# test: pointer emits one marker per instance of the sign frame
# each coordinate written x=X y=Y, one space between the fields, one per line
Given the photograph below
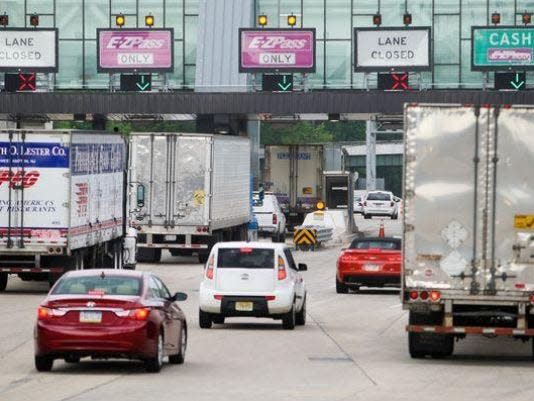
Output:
x=278 y=69
x=393 y=68
x=53 y=69
x=100 y=69
x=497 y=68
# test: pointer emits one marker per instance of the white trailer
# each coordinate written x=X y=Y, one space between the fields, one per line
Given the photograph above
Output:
x=294 y=173
x=62 y=199
x=189 y=191
x=468 y=224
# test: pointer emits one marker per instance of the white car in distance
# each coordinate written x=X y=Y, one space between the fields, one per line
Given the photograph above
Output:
x=271 y=220
x=380 y=203
x=252 y=279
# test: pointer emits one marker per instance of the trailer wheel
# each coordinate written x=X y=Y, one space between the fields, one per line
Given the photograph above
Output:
x=423 y=344
x=3 y=281
x=148 y=255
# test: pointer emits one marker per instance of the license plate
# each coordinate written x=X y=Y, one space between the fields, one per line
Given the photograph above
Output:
x=244 y=306
x=169 y=238
x=371 y=268
x=90 y=317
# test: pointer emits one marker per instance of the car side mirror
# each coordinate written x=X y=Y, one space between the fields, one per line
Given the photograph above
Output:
x=303 y=267
x=140 y=195
x=179 y=296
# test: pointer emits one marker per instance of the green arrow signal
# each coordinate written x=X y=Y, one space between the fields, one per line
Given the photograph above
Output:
x=142 y=85
x=517 y=83
x=285 y=85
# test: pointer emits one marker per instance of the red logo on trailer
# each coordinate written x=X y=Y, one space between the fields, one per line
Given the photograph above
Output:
x=19 y=179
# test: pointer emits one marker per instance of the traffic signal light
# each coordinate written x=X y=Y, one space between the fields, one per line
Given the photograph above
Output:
x=393 y=81
x=377 y=19
x=510 y=81
x=34 y=20
x=496 y=18
x=407 y=19
x=526 y=18
x=120 y=20
x=4 y=19
x=149 y=20
x=277 y=83
x=21 y=82
x=136 y=83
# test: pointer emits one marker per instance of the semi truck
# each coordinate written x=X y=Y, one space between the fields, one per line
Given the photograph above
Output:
x=189 y=191
x=468 y=257
x=61 y=203
x=294 y=173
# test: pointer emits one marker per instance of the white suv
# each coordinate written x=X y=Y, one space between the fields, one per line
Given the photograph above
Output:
x=271 y=220
x=255 y=279
x=380 y=203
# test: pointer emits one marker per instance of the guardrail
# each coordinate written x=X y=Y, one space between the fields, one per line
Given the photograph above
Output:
x=309 y=238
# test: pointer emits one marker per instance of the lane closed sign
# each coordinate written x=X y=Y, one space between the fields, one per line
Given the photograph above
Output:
x=380 y=49
x=28 y=49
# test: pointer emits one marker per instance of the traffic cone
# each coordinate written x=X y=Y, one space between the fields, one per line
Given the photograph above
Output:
x=381 y=232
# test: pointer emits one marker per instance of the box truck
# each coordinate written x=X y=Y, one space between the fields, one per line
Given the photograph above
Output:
x=188 y=191
x=468 y=257
x=294 y=173
x=62 y=203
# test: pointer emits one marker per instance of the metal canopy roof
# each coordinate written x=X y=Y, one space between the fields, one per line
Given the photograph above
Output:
x=241 y=103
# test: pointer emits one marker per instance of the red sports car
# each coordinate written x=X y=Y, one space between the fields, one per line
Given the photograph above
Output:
x=110 y=313
x=372 y=262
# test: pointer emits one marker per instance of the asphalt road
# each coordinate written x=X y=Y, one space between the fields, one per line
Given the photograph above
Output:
x=353 y=348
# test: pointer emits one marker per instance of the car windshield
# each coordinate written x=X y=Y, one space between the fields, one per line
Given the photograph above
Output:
x=376 y=244
x=98 y=285
x=380 y=196
x=245 y=258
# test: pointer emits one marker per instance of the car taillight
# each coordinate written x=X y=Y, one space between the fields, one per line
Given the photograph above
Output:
x=282 y=274
x=414 y=295
x=423 y=295
x=275 y=219
x=140 y=314
x=218 y=297
x=209 y=268
x=49 y=313
x=270 y=297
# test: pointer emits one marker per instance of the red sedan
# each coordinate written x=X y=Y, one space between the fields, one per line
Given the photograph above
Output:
x=110 y=314
x=372 y=262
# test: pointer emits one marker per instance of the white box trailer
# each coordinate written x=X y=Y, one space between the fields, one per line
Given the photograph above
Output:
x=62 y=199
x=294 y=173
x=189 y=191
x=468 y=224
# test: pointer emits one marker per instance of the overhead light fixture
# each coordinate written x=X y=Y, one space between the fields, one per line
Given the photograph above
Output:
x=407 y=19
x=34 y=20
x=495 y=18
x=377 y=19
x=149 y=20
x=292 y=20
x=526 y=18
x=262 y=20
x=120 y=20
x=4 y=20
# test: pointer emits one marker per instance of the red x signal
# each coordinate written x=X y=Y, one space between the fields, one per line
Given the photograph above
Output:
x=400 y=81
x=27 y=82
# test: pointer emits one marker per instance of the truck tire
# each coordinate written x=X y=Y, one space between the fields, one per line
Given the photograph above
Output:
x=423 y=344
x=3 y=281
x=148 y=255
x=367 y=216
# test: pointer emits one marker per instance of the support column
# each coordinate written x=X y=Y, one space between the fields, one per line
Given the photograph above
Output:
x=370 y=160
x=253 y=132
